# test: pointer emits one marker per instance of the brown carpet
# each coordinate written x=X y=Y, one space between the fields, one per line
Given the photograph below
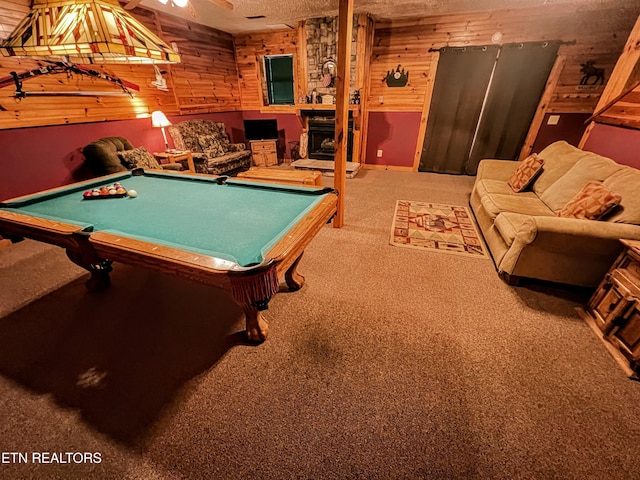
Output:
x=379 y=368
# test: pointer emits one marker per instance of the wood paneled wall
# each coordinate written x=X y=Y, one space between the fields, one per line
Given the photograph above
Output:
x=205 y=81
x=219 y=73
x=597 y=35
x=250 y=50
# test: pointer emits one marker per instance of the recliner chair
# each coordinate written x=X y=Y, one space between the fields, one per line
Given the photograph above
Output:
x=106 y=155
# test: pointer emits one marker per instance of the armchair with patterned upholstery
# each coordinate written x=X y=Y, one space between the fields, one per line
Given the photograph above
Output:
x=116 y=154
x=210 y=147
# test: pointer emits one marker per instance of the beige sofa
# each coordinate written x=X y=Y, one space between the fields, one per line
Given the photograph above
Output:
x=527 y=239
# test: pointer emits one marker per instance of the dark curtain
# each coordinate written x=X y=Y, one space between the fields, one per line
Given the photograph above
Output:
x=458 y=94
x=518 y=82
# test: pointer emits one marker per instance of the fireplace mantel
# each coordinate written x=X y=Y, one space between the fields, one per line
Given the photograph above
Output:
x=305 y=110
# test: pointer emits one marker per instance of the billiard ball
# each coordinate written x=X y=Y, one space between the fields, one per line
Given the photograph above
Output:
x=132 y=193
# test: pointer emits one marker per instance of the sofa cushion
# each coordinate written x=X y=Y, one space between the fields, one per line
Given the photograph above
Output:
x=558 y=158
x=138 y=158
x=229 y=162
x=526 y=172
x=626 y=182
x=496 y=169
x=211 y=145
x=501 y=187
x=591 y=203
x=495 y=204
x=227 y=157
x=593 y=167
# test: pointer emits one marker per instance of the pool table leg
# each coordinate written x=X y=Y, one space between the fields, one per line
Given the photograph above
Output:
x=257 y=326
x=98 y=268
x=294 y=280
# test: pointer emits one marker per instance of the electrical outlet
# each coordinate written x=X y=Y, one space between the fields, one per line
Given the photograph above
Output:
x=553 y=119
x=379 y=154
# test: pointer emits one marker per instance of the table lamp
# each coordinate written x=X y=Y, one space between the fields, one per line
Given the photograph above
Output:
x=159 y=119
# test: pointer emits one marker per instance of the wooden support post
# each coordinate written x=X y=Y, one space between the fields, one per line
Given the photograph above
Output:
x=625 y=70
x=345 y=26
x=171 y=84
x=426 y=107
x=624 y=74
x=538 y=118
x=303 y=68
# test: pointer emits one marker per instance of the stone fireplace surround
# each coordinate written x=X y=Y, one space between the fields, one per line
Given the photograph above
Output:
x=322 y=40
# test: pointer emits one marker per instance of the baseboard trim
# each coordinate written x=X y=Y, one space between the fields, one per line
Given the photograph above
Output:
x=387 y=167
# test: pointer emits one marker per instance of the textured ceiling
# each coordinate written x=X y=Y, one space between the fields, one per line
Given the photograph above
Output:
x=280 y=13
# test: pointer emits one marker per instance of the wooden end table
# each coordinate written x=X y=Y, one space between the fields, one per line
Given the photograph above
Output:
x=613 y=312
x=175 y=156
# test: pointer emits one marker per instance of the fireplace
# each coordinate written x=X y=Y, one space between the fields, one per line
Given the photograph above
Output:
x=321 y=135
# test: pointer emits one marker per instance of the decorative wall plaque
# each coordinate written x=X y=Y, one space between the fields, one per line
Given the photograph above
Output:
x=397 y=78
x=591 y=72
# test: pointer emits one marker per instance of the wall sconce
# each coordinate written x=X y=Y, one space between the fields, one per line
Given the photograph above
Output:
x=160 y=120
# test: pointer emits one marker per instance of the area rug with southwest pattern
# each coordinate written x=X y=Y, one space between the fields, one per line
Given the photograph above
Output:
x=437 y=228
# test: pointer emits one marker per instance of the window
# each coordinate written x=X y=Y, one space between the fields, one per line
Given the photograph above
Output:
x=279 y=76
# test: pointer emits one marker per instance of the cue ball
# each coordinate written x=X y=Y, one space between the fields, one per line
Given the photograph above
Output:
x=132 y=193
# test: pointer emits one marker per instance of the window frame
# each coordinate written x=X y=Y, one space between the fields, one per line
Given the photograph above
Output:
x=271 y=98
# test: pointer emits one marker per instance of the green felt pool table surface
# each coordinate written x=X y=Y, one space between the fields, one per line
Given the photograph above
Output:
x=236 y=221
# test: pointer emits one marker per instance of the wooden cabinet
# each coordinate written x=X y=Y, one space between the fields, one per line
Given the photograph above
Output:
x=264 y=153
x=613 y=311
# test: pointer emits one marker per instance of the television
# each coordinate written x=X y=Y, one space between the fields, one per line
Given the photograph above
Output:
x=263 y=129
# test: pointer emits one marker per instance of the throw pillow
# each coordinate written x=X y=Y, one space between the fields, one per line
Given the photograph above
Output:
x=211 y=145
x=529 y=168
x=593 y=202
x=138 y=158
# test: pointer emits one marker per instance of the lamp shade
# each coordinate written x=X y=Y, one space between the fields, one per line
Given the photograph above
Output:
x=86 y=31
x=159 y=119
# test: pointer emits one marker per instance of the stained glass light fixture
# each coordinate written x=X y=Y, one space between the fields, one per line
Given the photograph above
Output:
x=86 y=31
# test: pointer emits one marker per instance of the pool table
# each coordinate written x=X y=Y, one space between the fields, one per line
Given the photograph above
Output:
x=239 y=235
